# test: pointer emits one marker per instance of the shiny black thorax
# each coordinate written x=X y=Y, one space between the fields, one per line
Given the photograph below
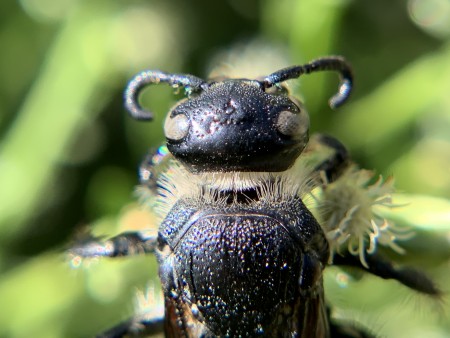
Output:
x=251 y=269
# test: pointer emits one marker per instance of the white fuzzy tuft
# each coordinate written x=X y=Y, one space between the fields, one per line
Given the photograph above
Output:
x=177 y=183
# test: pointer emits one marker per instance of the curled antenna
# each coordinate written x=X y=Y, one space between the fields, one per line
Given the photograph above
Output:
x=331 y=63
x=189 y=82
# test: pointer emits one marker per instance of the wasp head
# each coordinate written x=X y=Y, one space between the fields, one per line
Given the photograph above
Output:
x=237 y=124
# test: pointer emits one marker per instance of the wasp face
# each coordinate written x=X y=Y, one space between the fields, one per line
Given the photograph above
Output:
x=236 y=125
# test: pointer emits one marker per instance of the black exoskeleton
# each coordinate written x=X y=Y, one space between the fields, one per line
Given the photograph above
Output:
x=240 y=254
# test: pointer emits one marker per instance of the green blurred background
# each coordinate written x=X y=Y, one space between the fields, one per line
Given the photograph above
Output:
x=69 y=154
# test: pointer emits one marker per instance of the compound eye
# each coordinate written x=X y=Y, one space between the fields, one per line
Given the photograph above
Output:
x=293 y=124
x=177 y=127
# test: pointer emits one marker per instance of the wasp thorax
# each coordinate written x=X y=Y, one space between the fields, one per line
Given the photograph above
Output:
x=236 y=126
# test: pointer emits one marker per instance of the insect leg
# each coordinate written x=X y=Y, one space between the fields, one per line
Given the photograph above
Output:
x=129 y=243
x=334 y=165
x=381 y=267
x=138 y=327
x=124 y=244
x=347 y=331
x=151 y=167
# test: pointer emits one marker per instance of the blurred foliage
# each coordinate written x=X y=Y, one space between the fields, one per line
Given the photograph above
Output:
x=68 y=150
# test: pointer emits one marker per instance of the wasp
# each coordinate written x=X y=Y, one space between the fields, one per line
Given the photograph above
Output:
x=240 y=254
